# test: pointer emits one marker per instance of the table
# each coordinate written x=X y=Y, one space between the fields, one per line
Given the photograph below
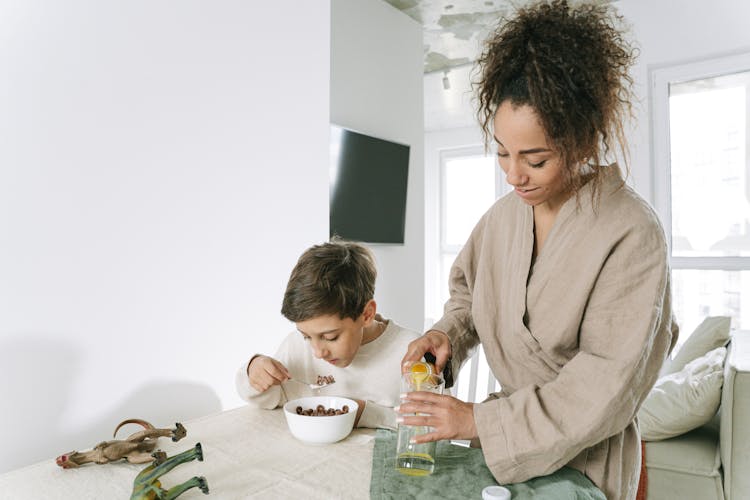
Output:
x=248 y=453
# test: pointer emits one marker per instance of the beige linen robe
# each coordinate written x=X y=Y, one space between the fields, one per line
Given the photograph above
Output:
x=576 y=338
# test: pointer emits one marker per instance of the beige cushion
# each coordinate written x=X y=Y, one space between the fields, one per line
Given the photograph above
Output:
x=685 y=467
x=682 y=401
x=713 y=332
x=695 y=452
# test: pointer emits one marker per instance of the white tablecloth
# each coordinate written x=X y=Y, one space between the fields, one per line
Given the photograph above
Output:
x=248 y=453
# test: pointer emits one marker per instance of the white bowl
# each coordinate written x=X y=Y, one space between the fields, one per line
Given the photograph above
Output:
x=322 y=429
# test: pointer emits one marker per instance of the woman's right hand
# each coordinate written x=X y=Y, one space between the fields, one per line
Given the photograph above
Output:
x=264 y=372
x=433 y=341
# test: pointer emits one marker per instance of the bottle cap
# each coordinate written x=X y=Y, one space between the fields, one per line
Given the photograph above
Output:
x=495 y=493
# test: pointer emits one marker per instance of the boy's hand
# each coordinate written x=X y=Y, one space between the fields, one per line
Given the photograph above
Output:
x=435 y=342
x=264 y=372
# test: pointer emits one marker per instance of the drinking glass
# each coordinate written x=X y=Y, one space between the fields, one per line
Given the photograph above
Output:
x=416 y=459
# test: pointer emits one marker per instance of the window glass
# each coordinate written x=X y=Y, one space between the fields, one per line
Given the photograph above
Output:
x=470 y=185
x=469 y=191
x=699 y=293
x=709 y=166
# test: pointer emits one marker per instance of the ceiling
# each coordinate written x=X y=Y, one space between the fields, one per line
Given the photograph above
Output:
x=454 y=29
x=453 y=34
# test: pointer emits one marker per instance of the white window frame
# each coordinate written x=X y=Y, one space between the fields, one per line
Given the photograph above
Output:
x=477 y=362
x=451 y=154
x=660 y=78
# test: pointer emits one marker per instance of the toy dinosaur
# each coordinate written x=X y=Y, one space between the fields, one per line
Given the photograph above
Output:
x=136 y=449
x=148 y=487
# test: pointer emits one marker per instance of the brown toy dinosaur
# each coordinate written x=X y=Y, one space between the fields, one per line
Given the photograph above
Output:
x=136 y=449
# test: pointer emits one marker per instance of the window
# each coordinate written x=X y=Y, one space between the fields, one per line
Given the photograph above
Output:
x=470 y=182
x=702 y=185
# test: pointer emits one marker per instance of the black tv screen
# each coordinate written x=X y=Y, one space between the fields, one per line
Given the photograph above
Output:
x=368 y=187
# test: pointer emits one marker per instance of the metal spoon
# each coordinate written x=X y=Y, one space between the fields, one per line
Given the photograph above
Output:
x=316 y=386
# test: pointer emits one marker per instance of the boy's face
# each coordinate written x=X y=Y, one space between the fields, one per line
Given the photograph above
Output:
x=334 y=339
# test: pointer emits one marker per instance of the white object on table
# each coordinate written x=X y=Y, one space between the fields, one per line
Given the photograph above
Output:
x=495 y=493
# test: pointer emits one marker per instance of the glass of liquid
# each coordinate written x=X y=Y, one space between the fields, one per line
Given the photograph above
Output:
x=417 y=459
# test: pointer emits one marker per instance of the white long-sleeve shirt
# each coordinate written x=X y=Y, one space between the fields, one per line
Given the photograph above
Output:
x=373 y=375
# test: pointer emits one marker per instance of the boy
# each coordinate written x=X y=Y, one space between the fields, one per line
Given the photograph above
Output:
x=339 y=333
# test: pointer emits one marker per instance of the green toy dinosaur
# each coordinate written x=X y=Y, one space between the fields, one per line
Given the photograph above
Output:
x=148 y=487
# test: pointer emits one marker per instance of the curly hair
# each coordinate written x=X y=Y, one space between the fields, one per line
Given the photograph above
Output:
x=571 y=65
x=337 y=277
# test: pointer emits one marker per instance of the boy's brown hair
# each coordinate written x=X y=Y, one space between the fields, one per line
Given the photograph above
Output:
x=337 y=277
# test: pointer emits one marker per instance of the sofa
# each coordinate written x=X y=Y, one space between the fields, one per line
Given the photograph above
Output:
x=713 y=460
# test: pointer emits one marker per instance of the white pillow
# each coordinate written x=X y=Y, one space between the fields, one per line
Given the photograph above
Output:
x=682 y=401
x=713 y=332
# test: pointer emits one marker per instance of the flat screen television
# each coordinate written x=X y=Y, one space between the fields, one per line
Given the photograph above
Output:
x=368 y=181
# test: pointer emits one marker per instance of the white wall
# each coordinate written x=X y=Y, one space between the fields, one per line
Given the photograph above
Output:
x=376 y=89
x=156 y=159
x=450 y=123
x=453 y=107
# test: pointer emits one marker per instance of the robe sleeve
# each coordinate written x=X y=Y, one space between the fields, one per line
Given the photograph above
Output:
x=625 y=334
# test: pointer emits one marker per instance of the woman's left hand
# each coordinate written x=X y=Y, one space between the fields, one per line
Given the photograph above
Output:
x=449 y=417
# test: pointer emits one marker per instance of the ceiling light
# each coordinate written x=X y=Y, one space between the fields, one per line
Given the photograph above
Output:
x=446 y=82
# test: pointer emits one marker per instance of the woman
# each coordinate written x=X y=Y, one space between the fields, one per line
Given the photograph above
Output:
x=565 y=281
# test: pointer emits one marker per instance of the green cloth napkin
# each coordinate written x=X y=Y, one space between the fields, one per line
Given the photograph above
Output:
x=461 y=473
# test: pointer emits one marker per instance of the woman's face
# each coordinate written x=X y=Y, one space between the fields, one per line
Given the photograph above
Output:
x=530 y=164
